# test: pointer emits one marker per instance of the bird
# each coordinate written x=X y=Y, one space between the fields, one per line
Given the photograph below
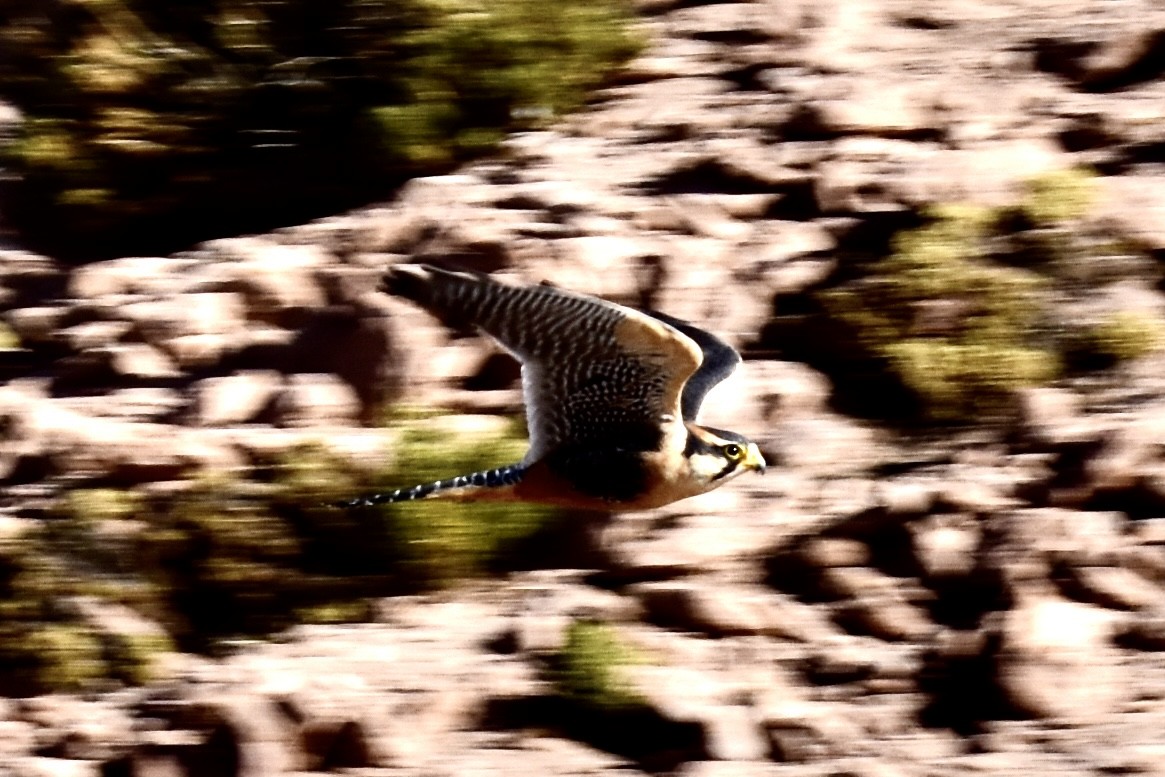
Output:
x=611 y=394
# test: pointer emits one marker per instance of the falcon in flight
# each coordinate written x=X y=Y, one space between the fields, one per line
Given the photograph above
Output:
x=611 y=394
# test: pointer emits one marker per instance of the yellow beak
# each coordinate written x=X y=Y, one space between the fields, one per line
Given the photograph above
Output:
x=753 y=459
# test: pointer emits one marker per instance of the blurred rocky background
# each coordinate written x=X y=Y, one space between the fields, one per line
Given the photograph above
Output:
x=935 y=230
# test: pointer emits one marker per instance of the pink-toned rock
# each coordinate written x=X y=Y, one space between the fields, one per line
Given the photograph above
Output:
x=122 y=276
x=193 y=351
x=200 y=313
x=605 y=265
x=885 y=110
x=369 y=450
x=1135 y=205
x=317 y=399
x=833 y=552
x=37 y=324
x=275 y=278
x=714 y=608
x=709 y=218
x=1056 y=659
x=761 y=393
x=1046 y=412
x=94 y=334
x=1119 y=587
x=946 y=545
x=235 y=399
x=140 y=361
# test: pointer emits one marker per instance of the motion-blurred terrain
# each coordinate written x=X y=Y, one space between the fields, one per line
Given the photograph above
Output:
x=937 y=235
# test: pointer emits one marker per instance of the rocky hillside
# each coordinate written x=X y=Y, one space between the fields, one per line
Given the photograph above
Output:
x=893 y=598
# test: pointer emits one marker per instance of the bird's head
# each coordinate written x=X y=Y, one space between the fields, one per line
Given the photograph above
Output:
x=715 y=455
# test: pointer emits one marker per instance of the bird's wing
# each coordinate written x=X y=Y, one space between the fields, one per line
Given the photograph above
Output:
x=593 y=373
x=719 y=361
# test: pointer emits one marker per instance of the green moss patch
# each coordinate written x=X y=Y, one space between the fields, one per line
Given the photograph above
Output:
x=590 y=669
x=224 y=556
x=978 y=302
x=153 y=125
x=954 y=327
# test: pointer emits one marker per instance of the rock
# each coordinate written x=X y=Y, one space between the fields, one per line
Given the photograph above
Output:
x=733 y=21
x=1118 y=587
x=471 y=242
x=716 y=609
x=858 y=178
x=145 y=763
x=126 y=276
x=369 y=450
x=330 y=737
x=98 y=447
x=979 y=496
x=802 y=731
x=25 y=275
x=142 y=403
x=888 y=616
x=1088 y=537
x=158 y=321
x=36 y=766
x=1124 y=456
x=314 y=400
x=552 y=600
x=276 y=280
x=326 y=345
x=544 y=633
x=605 y=265
x=17 y=737
x=831 y=552
x=141 y=362
x=947 y=545
x=876 y=603
x=393 y=231
x=732 y=733
x=70 y=728
x=235 y=399
x=1056 y=659
x=822 y=443
x=699 y=541
x=907 y=497
x=437 y=191
x=708 y=218
x=693 y=283
x=777 y=243
x=748 y=161
x=38 y=324
x=1127 y=58
x=1146 y=630
x=94 y=334
x=194 y=351
x=887 y=177
x=799 y=275
x=1135 y=206
x=242 y=735
x=1048 y=414
x=782 y=390
x=898 y=110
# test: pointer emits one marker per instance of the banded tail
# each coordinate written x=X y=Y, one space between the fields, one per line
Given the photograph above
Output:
x=489 y=478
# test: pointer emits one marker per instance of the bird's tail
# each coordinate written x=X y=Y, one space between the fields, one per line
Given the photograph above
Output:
x=490 y=478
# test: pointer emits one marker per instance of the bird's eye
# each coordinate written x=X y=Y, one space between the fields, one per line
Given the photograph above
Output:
x=733 y=451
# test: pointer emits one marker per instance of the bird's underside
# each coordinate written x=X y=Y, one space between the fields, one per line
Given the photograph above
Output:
x=611 y=396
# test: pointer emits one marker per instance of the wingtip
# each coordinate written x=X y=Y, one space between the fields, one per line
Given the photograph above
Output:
x=406 y=280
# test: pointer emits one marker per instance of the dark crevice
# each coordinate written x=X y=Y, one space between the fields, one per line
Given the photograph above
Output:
x=636 y=732
x=964 y=690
